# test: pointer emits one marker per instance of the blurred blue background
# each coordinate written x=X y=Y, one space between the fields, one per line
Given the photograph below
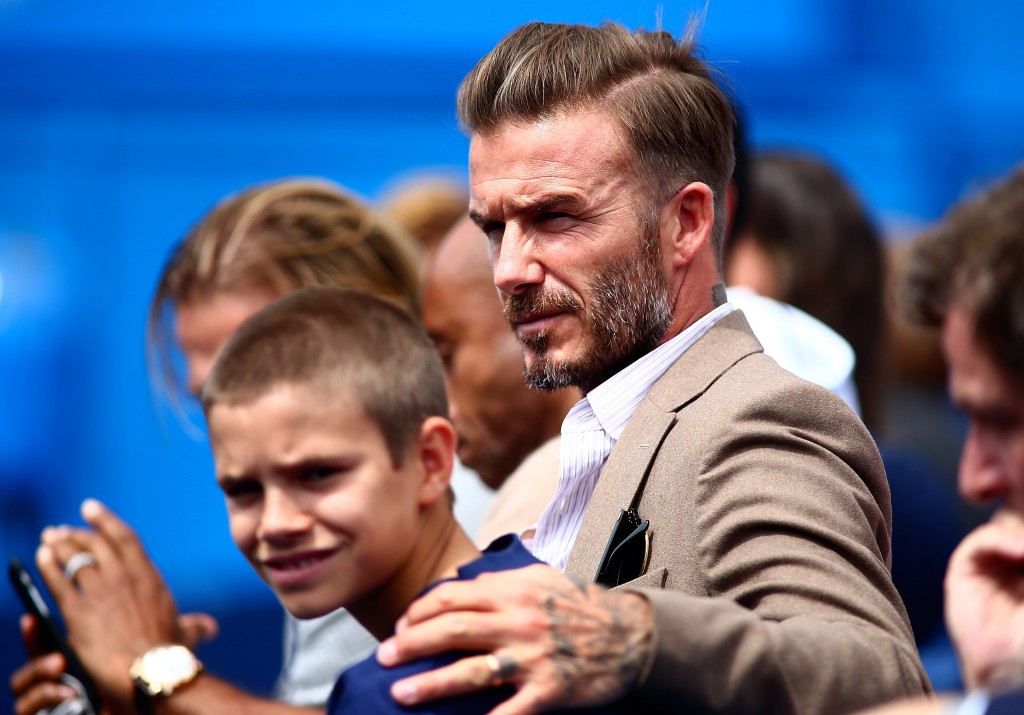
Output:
x=122 y=122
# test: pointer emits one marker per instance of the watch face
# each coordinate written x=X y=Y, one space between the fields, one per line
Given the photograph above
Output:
x=169 y=665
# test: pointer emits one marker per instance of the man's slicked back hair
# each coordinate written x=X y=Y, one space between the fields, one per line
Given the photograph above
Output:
x=675 y=118
x=974 y=258
x=344 y=345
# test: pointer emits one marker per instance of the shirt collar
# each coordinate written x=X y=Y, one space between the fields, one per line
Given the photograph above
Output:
x=610 y=405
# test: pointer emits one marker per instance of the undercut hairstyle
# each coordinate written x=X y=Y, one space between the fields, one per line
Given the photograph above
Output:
x=974 y=258
x=279 y=237
x=674 y=117
x=344 y=345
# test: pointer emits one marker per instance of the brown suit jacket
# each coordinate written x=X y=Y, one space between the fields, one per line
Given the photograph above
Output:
x=770 y=523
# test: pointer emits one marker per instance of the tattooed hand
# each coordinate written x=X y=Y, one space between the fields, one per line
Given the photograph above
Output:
x=559 y=644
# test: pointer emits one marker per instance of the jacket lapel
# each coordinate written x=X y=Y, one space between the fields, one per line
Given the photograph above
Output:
x=620 y=485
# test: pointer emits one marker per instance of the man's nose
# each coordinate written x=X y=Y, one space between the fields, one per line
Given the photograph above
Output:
x=517 y=265
x=982 y=477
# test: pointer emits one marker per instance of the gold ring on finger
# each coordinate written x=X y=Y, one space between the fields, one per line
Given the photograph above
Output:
x=499 y=669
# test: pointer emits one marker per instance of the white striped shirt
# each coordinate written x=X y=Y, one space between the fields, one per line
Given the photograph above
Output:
x=591 y=429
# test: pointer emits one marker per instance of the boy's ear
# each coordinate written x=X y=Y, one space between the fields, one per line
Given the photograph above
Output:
x=436 y=453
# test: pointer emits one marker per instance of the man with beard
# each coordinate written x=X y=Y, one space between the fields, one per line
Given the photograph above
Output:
x=743 y=512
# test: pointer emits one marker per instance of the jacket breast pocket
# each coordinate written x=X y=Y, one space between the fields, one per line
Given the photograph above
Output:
x=655 y=578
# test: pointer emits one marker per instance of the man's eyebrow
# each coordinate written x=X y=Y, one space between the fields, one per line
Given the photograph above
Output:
x=540 y=204
x=548 y=202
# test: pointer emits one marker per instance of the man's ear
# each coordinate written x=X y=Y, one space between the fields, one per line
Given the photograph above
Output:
x=435 y=451
x=687 y=223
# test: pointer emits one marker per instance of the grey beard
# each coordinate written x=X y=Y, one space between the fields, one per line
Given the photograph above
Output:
x=628 y=315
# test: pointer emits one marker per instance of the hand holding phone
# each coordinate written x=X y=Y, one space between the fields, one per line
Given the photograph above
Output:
x=51 y=638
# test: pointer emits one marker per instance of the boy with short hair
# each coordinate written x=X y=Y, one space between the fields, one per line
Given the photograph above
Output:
x=328 y=422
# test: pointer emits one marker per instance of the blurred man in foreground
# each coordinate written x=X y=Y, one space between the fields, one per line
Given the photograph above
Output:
x=967 y=277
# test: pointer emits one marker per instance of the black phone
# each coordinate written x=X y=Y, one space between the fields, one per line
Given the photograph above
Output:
x=87 y=699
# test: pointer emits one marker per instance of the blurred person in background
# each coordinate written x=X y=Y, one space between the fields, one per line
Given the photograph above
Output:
x=426 y=205
x=250 y=249
x=918 y=413
x=798 y=341
x=966 y=276
x=807 y=240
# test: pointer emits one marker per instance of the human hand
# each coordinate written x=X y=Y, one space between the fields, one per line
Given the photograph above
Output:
x=985 y=602
x=117 y=607
x=196 y=628
x=36 y=685
x=559 y=644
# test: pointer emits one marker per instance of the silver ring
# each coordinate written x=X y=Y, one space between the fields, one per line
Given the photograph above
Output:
x=78 y=562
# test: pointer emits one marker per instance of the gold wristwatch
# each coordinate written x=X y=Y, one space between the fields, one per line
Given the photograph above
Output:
x=161 y=671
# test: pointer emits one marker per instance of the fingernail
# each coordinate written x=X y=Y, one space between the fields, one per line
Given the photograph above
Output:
x=50 y=535
x=401 y=624
x=386 y=653
x=90 y=509
x=67 y=693
x=57 y=532
x=404 y=692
